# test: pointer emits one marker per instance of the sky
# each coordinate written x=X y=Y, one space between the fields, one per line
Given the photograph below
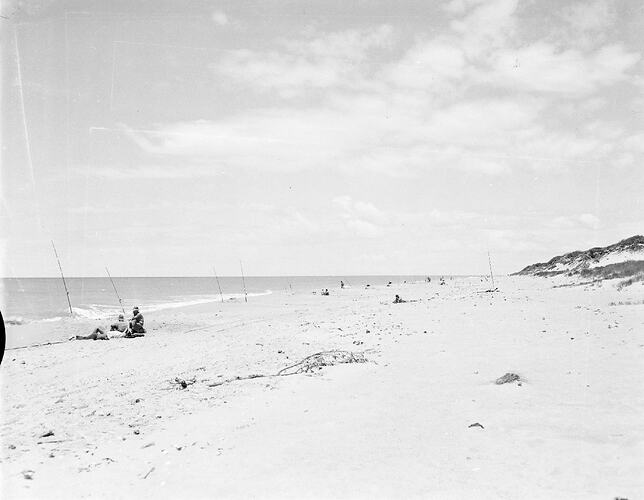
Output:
x=162 y=138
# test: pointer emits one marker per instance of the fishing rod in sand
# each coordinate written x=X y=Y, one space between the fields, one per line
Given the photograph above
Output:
x=71 y=312
x=218 y=285
x=489 y=260
x=243 y=281
x=115 y=291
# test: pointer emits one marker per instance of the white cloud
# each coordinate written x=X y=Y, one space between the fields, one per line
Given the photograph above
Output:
x=541 y=67
x=316 y=60
x=362 y=219
x=588 y=17
x=364 y=229
x=590 y=221
x=460 y=6
x=148 y=171
x=428 y=65
x=635 y=142
x=219 y=17
x=486 y=136
x=486 y=28
x=472 y=98
x=363 y=209
x=487 y=33
x=571 y=222
x=350 y=45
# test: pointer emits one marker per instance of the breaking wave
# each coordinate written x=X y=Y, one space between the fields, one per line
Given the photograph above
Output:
x=100 y=311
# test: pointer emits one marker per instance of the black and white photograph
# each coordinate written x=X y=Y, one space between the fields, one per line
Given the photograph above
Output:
x=322 y=249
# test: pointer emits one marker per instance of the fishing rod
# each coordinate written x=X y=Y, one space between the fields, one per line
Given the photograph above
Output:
x=489 y=260
x=71 y=312
x=115 y=291
x=218 y=285
x=243 y=281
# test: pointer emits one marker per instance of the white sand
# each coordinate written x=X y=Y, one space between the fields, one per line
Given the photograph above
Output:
x=395 y=427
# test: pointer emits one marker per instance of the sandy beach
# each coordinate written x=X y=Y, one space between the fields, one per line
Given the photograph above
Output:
x=397 y=426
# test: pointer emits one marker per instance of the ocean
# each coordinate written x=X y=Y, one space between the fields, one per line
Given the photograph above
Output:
x=25 y=300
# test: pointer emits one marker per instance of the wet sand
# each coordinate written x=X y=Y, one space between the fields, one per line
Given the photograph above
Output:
x=397 y=426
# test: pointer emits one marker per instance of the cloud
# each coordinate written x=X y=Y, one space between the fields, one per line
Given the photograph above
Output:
x=219 y=17
x=460 y=6
x=363 y=209
x=350 y=45
x=541 y=67
x=485 y=28
x=587 y=22
x=279 y=71
x=316 y=60
x=580 y=221
x=428 y=64
x=487 y=34
x=148 y=171
x=590 y=221
x=488 y=136
x=474 y=97
x=361 y=218
x=364 y=229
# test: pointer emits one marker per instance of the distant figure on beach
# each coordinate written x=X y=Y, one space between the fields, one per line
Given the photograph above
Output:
x=429 y=280
x=120 y=325
x=325 y=291
x=341 y=284
x=136 y=324
x=389 y=284
x=97 y=334
x=398 y=300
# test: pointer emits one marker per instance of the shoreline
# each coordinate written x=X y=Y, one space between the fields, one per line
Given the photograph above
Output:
x=33 y=332
x=396 y=425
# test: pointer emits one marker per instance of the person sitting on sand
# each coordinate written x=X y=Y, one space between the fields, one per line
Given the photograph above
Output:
x=398 y=300
x=325 y=291
x=136 y=324
x=97 y=334
x=120 y=325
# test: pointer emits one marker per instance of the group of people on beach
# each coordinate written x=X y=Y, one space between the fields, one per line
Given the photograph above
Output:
x=132 y=328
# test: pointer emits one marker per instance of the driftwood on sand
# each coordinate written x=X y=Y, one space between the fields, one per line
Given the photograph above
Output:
x=320 y=359
x=306 y=365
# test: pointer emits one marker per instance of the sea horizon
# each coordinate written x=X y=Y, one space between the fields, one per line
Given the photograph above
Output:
x=254 y=276
x=28 y=299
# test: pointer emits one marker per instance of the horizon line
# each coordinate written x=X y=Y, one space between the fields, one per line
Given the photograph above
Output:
x=255 y=276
